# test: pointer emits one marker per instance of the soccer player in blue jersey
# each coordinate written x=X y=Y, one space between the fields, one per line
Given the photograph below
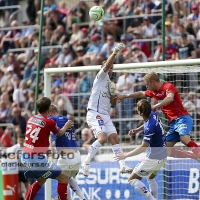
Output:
x=154 y=145
x=69 y=156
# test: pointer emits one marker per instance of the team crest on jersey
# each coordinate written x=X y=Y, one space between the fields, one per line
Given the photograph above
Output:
x=98 y=117
x=182 y=126
x=101 y=122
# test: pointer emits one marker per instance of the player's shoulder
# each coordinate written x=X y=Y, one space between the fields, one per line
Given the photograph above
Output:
x=168 y=84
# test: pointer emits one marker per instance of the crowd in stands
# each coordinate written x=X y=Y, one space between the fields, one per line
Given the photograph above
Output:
x=76 y=42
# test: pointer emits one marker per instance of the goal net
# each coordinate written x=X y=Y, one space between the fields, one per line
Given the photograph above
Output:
x=178 y=179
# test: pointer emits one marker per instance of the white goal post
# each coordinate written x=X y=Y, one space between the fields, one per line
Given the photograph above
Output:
x=177 y=66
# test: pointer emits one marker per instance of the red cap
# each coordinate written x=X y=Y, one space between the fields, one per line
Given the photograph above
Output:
x=95 y=37
x=84 y=30
x=114 y=8
x=194 y=7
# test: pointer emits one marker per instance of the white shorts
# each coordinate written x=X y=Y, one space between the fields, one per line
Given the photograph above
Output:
x=100 y=123
x=70 y=164
x=148 y=166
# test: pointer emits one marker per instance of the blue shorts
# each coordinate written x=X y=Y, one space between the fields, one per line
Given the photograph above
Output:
x=179 y=127
x=39 y=166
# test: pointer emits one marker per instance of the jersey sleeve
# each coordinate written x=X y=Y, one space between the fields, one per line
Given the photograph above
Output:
x=101 y=75
x=148 y=134
x=170 y=89
x=54 y=128
x=148 y=93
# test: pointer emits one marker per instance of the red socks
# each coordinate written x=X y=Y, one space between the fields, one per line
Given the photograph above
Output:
x=32 y=191
x=195 y=148
x=179 y=153
x=62 y=191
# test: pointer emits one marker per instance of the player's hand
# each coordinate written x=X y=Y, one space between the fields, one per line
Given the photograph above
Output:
x=120 y=97
x=120 y=156
x=118 y=48
x=111 y=86
x=68 y=124
x=133 y=132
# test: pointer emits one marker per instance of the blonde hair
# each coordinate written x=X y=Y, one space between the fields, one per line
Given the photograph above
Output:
x=152 y=76
x=53 y=109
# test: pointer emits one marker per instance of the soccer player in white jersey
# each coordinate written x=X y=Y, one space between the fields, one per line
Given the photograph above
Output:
x=98 y=119
x=154 y=144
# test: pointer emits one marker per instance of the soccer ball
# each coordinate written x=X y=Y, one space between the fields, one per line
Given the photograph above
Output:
x=96 y=13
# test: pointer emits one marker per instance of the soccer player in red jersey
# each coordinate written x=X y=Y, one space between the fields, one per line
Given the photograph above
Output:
x=36 y=164
x=181 y=124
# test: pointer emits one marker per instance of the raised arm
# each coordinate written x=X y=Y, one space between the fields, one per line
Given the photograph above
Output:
x=111 y=58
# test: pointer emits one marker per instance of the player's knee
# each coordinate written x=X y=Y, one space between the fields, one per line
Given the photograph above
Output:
x=102 y=138
x=63 y=178
x=132 y=181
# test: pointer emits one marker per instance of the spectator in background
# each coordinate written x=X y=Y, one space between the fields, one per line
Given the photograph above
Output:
x=55 y=82
x=5 y=138
x=125 y=84
x=59 y=36
x=69 y=84
x=77 y=14
x=31 y=67
x=149 y=30
x=168 y=29
x=10 y=82
x=5 y=113
x=142 y=45
x=135 y=23
x=194 y=16
x=185 y=50
x=76 y=35
x=12 y=61
x=5 y=97
x=83 y=85
x=9 y=11
x=8 y=40
x=62 y=101
x=148 y=7
x=87 y=138
x=51 y=59
x=136 y=55
x=29 y=106
x=92 y=52
x=65 y=58
x=18 y=120
x=18 y=95
x=48 y=7
x=170 y=50
x=31 y=11
x=78 y=61
x=22 y=41
x=2 y=80
x=189 y=104
x=107 y=48
x=85 y=39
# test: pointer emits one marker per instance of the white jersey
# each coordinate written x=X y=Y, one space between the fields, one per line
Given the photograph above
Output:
x=100 y=98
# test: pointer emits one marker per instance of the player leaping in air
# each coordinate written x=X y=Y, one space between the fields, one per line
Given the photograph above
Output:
x=154 y=145
x=69 y=156
x=98 y=119
x=36 y=144
x=168 y=99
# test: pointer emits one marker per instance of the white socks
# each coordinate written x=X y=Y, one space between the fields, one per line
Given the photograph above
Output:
x=116 y=150
x=153 y=187
x=74 y=186
x=141 y=188
x=94 y=148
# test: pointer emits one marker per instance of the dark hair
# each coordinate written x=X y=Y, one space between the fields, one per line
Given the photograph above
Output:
x=43 y=104
x=184 y=35
x=144 y=108
x=21 y=136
